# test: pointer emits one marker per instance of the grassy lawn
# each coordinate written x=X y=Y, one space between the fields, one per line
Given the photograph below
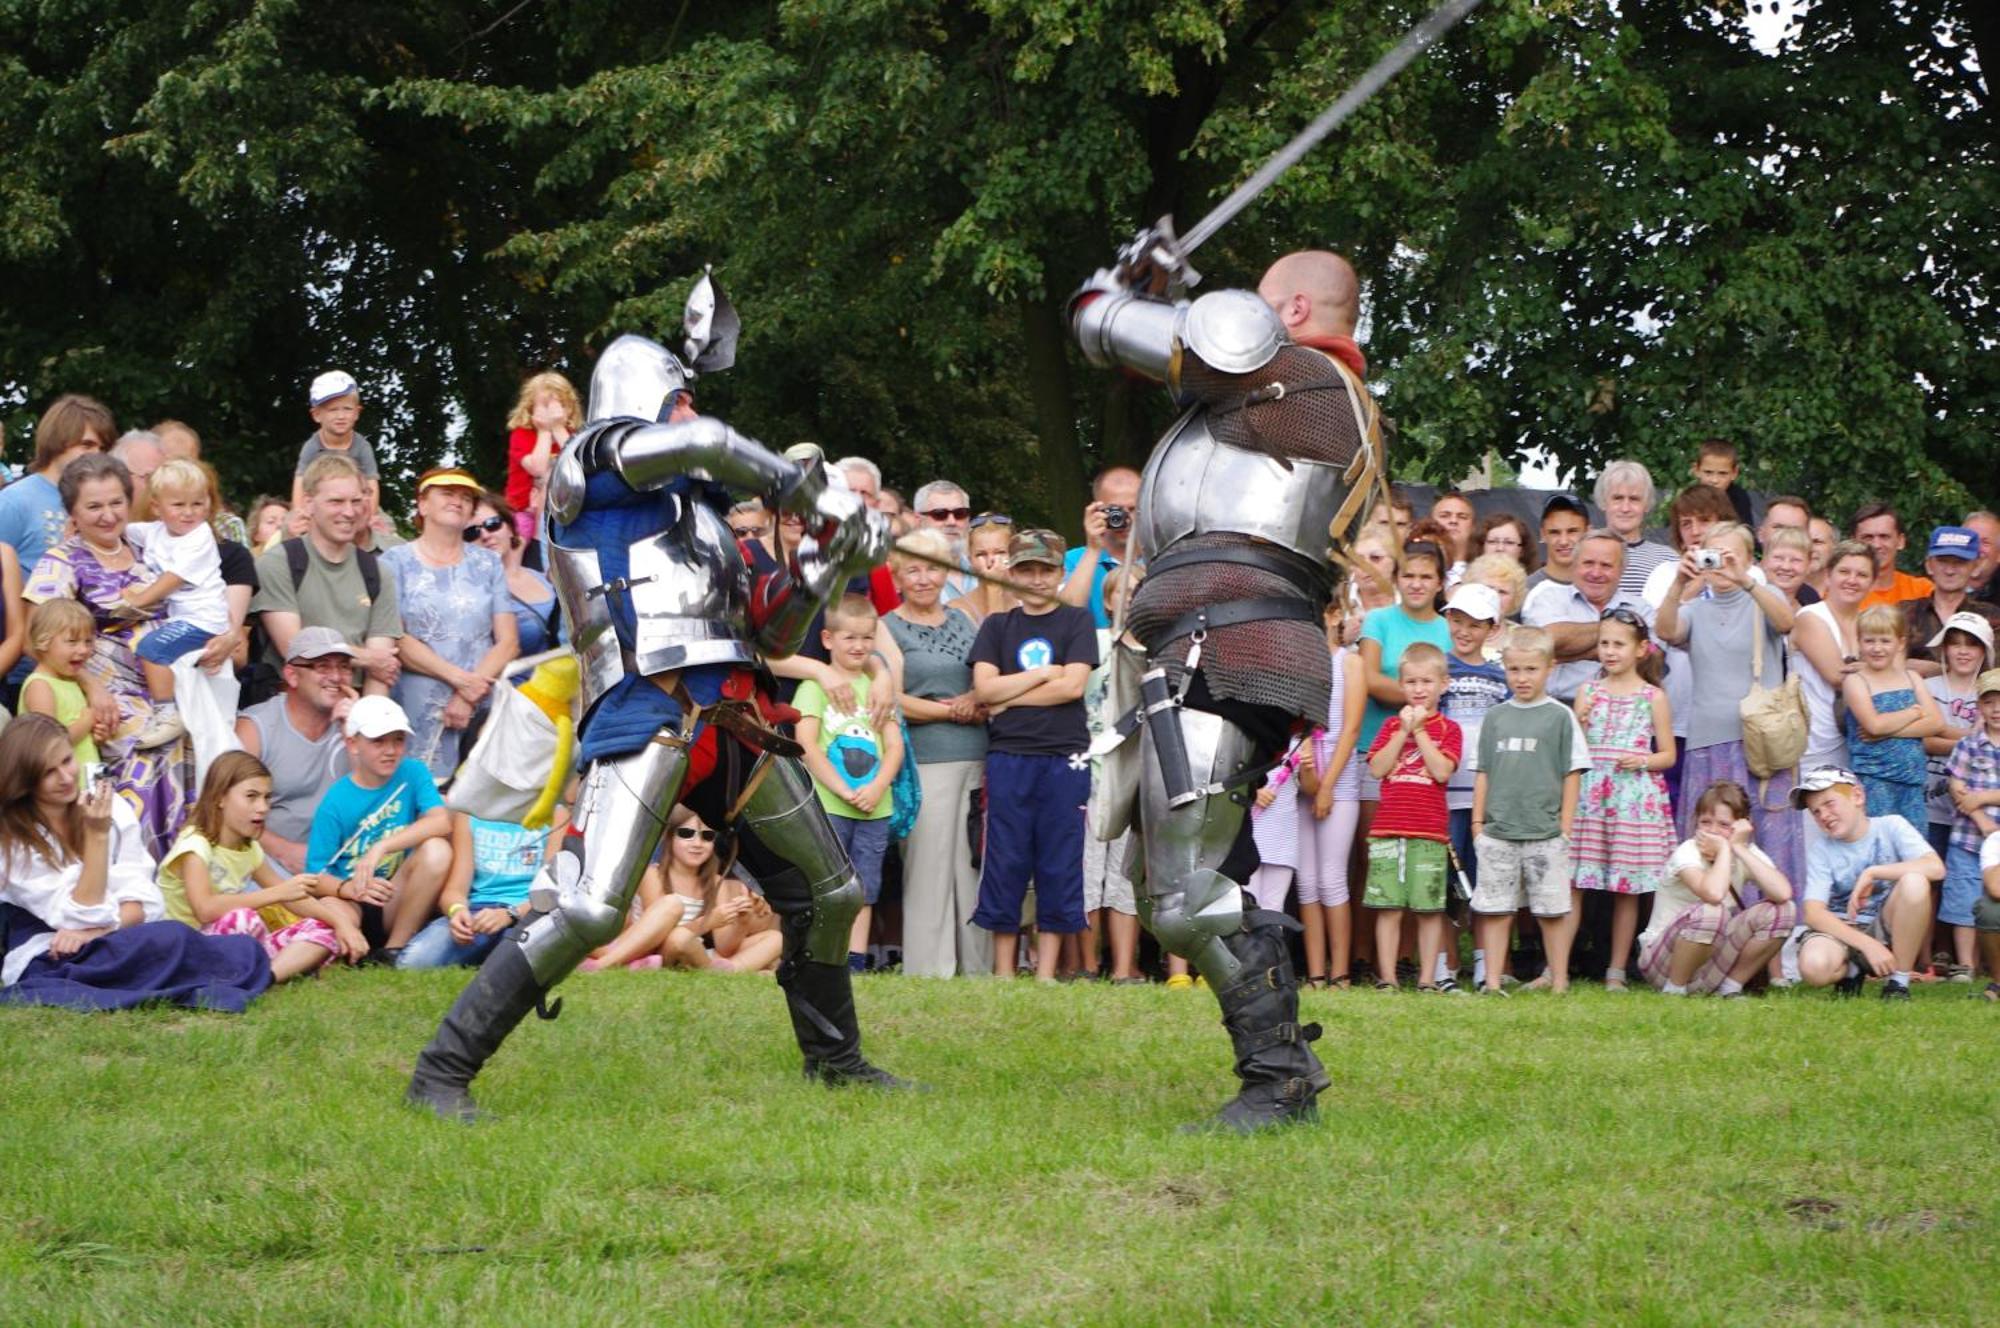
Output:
x=1596 y=1159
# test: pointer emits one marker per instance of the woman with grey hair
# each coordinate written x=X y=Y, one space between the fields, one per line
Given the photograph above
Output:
x=1625 y=494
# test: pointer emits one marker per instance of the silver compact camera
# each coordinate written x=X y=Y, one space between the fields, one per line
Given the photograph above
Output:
x=1708 y=560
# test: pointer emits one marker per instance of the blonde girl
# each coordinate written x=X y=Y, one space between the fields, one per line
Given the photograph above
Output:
x=546 y=413
x=1889 y=714
x=216 y=878
x=62 y=635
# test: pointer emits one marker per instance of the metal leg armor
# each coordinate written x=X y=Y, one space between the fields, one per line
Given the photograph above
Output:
x=1188 y=904
x=783 y=837
x=1197 y=912
x=579 y=902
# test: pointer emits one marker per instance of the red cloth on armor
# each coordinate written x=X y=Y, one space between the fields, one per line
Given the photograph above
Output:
x=1343 y=349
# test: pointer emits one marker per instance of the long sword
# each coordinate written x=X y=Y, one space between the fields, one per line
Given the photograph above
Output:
x=1159 y=247
x=952 y=565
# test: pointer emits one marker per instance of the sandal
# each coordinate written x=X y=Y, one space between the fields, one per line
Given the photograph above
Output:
x=1990 y=993
x=1383 y=984
x=1316 y=983
x=1542 y=983
x=1345 y=982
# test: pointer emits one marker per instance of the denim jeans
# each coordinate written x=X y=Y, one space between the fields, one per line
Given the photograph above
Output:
x=433 y=947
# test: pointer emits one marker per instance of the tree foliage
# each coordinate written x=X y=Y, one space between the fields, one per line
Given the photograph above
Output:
x=1589 y=231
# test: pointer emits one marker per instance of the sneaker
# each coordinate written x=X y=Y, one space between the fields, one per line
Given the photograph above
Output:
x=1895 y=991
x=1958 y=973
x=164 y=727
x=1450 y=987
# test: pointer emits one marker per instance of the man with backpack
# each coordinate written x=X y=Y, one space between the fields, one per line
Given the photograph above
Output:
x=321 y=579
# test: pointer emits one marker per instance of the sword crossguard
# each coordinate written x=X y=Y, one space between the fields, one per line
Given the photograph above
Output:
x=1154 y=263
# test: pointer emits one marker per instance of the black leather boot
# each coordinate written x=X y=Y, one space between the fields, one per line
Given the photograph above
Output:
x=1281 y=1077
x=498 y=998
x=820 y=998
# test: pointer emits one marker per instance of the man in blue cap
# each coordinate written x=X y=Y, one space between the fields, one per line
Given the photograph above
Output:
x=1948 y=562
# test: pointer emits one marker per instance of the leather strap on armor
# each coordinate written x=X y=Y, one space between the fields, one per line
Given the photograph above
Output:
x=1231 y=612
x=1308 y=576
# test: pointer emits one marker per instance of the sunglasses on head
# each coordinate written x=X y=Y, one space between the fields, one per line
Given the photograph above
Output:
x=691 y=832
x=948 y=513
x=1626 y=616
x=992 y=519
x=490 y=524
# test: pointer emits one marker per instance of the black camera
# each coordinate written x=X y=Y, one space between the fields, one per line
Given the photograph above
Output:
x=1116 y=517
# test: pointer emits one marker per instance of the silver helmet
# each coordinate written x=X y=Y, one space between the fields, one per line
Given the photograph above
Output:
x=636 y=379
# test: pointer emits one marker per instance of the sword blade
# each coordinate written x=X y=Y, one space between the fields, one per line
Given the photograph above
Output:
x=951 y=565
x=1442 y=20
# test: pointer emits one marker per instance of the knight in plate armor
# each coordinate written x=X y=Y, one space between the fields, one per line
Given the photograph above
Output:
x=1241 y=508
x=669 y=617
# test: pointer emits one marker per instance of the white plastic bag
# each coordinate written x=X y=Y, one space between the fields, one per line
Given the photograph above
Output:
x=207 y=704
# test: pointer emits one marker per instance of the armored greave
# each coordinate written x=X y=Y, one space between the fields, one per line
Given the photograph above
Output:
x=785 y=840
x=1187 y=903
x=578 y=905
x=583 y=894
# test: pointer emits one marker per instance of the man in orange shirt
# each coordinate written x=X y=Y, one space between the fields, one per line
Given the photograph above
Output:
x=1878 y=526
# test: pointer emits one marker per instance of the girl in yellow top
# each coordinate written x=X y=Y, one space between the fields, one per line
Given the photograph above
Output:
x=216 y=878
x=61 y=637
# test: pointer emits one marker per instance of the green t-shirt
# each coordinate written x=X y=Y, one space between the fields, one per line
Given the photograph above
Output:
x=329 y=595
x=1525 y=753
x=851 y=745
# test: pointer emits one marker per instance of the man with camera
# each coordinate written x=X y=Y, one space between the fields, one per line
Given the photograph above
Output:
x=1107 y=525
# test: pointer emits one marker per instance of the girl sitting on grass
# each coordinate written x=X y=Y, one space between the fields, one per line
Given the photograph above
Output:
x=693 y=907
x=1702 y=938
x=216 y=878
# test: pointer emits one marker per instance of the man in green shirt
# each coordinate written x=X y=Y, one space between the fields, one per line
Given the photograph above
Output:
x=334 y=590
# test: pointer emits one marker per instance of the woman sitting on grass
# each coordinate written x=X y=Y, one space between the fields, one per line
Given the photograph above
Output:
x=694 y=916
x=1701 y=937
x=81 y=922
x=217 y=879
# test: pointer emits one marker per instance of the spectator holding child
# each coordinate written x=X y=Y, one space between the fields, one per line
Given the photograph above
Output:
x=95 y=567
x=1706 y=935
x=322 y=579
x=1623 y=829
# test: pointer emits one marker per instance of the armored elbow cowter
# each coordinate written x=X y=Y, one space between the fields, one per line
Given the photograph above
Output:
x=1118 y=329
x=652 y=455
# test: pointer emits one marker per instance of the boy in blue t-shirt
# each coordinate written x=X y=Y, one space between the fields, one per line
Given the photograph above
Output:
x=493 y=864
x=1476 y=685
x=1029 y=668
x=381 y=837
x=1868 y=888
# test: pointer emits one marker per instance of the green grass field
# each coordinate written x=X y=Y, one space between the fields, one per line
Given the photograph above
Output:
x=1595 y=1159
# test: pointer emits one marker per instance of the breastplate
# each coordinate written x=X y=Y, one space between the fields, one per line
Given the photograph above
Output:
x=688 y=590
x=1195 y=484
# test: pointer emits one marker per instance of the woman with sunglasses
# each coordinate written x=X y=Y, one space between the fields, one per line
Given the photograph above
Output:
x=458 y=627
x=537 y=616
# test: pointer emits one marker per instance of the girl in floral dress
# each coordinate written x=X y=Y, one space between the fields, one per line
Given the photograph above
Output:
x=1624 y=824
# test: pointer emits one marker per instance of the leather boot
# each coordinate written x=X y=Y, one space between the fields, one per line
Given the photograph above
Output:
x=820 y=998
x=1281 y=1077
x=498 y=998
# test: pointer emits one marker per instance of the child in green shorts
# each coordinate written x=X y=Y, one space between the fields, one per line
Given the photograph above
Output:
x=1414 y=756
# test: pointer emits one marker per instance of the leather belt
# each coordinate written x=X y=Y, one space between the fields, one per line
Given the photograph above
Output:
x=1231 y=612
x=1293 y=567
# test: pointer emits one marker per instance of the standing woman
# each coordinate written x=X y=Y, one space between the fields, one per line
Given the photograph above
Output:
x=1504 y=532
x=948 y=739
x=95 y=566
x=458 y=628
x=531 y=597
x=81 y=922
x=1826 y=647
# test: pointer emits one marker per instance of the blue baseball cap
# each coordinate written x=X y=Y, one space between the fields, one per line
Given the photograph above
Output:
x=1954 y=542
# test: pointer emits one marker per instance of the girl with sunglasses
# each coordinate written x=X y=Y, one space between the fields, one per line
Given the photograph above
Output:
x=692 y=916
x=986 y=540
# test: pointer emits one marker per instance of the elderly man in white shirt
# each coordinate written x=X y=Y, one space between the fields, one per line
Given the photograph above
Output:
x=1571 y=612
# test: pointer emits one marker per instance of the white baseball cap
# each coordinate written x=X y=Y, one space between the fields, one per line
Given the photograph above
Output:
x=1973 y=625
x=1475 y=600
x=376 y=717
x=333 y=383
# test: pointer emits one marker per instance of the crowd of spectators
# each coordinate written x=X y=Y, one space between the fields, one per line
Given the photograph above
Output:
x=1539 y=762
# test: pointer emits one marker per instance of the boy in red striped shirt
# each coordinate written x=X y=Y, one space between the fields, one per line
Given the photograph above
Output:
x=1414 y=756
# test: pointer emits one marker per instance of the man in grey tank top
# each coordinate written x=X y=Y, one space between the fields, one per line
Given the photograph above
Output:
x=297 y=736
